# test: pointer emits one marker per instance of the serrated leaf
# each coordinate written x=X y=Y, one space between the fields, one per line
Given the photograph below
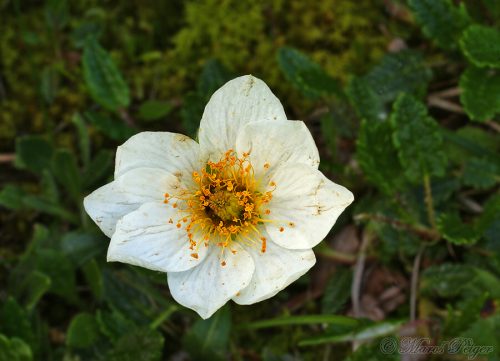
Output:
x=337 y=291
x=306 y=75
x=464 y=315
x=83 y=331
x=455 y=230
x=481 y=45
x=365 y=100
x=102 y=77
x=65 y=170
x=417 y=138
x=14 y=349
x=481 y=173
x=208 y=339
x=138 y=345
x=484 y=332
x=153 y=110
x=402 y=72
x=441 y=21
x=446 y=280
x=480 y=93
x=34 y=153
x=377 y=156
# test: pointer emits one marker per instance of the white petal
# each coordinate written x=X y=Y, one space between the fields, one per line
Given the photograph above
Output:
x=209 y=286
x=274 y=144
x=111 y=202
x=172 y=152
x=306 y=205
x=240 y=101
x=275 y=269
x=145 y=238
x=107 y=205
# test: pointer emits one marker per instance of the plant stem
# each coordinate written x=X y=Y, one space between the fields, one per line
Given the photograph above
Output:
x=429 y=202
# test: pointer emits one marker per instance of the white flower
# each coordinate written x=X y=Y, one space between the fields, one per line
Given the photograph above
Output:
x=234 y=216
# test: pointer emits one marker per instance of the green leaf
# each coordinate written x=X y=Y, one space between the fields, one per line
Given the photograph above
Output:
x=402 y=72
x=371 y=331
x=34 y=286
x=66 y=172
x=483 y=332
x=58 y=267
x=14 y=349
x=93 y=276
x=56 y=13
x=45 y=205
x=33 y=152
x=377 y=156
x=480 y=173
x=113 y=128
x=373 y=351
x=306 y=75
x=481 y=45
x=455 y=230
x=365 y=100
x=11 y=197
x=209 y=339
x=14 y=321
x=441 y=21
x=83 y=331
x=449 y=280
x=103 y=79
x=417 y=138
x=114 y=324
x=154 y=110
x=98 y=168
x=301 y=320
x=464 y=315
x=337 y=292
x=49 y=84
x=139 y=345
x=480 y=93
x=83 y=138
x=213 y=75
x=81 y=247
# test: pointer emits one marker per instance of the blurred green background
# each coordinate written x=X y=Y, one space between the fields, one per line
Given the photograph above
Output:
x=402 y=98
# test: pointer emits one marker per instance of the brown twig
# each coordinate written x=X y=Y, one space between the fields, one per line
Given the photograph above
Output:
x=447 y=93
x=414 y=284
x=7 y=158
x=444 y=104
x=358 y=278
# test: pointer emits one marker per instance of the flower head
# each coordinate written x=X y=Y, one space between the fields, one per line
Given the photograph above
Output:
x=234 y=216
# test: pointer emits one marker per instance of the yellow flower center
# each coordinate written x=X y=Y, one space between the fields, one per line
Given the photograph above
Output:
x=225 y=204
